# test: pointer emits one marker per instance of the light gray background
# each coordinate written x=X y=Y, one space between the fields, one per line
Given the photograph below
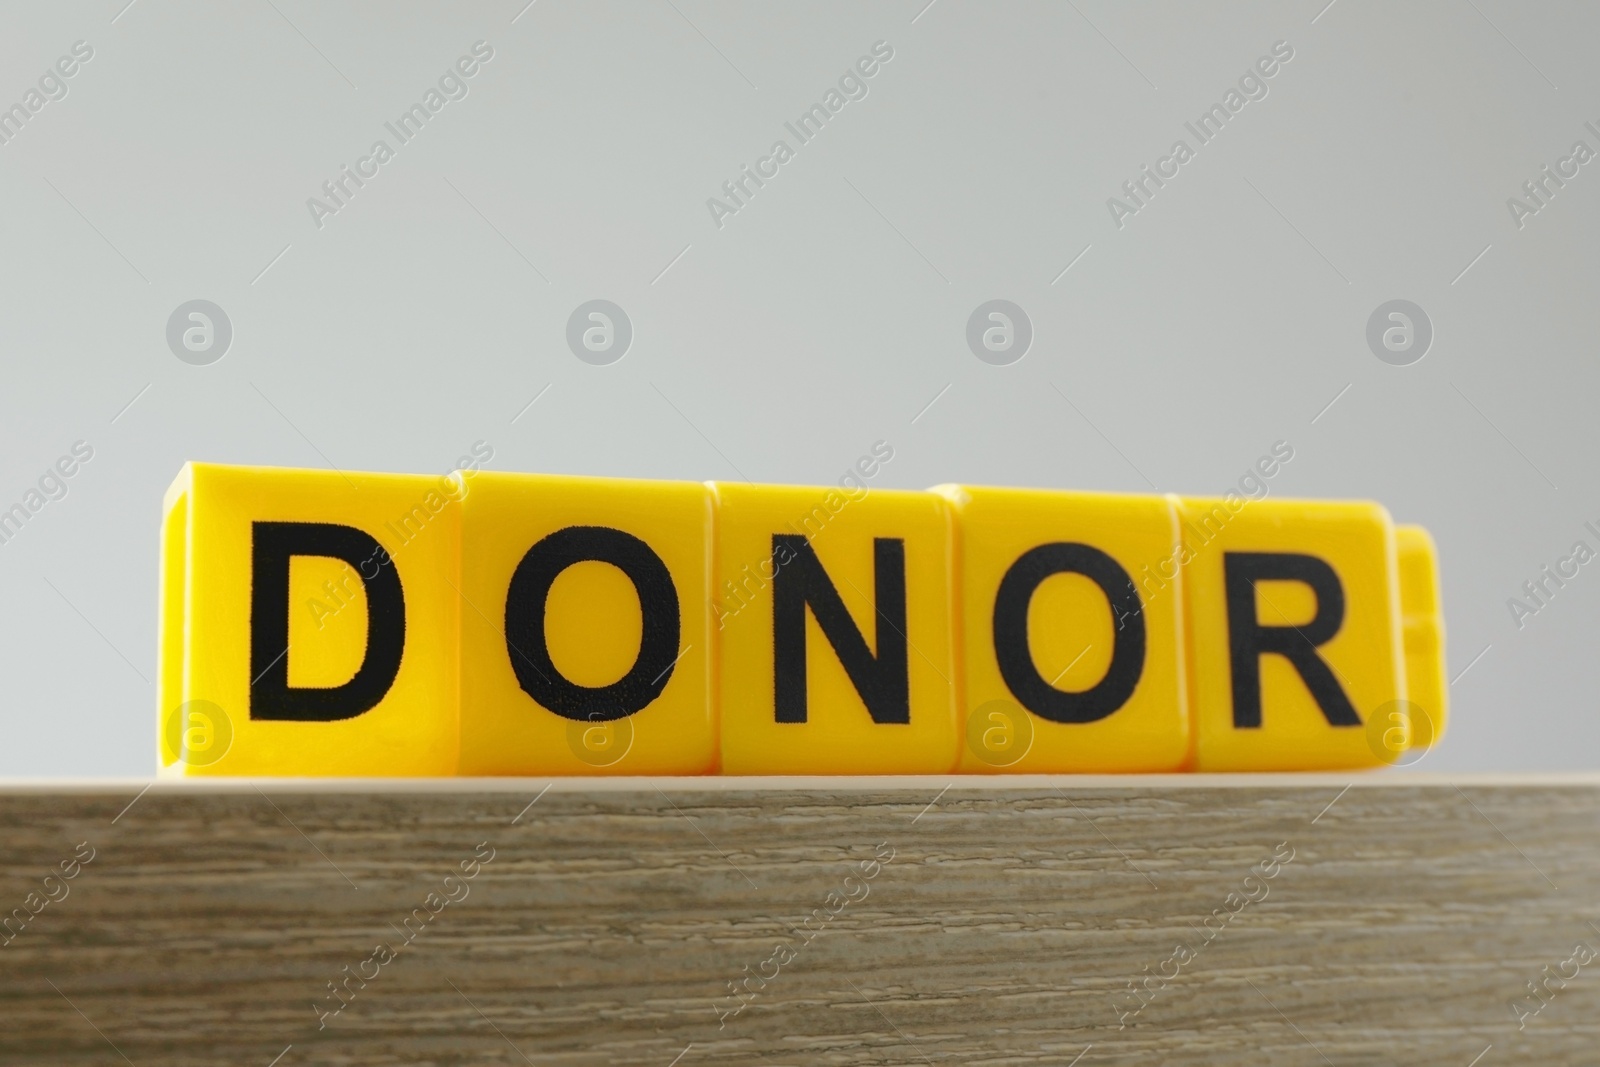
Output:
x=828 y=313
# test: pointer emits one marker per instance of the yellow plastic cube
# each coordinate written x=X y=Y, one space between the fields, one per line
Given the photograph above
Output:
x=1294 y=623
x=1422 y=632
x=1071 y=616
x=834 y=612
x=586 y=644
x=308 y=626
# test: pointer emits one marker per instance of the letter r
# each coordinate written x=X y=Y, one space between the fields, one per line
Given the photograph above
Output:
x=1248 y=640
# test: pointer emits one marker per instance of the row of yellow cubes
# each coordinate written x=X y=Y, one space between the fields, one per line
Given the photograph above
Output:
x=486 y=623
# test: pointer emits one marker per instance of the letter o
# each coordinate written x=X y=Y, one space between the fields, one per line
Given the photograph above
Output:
x=526 y=600
x=1015 y=658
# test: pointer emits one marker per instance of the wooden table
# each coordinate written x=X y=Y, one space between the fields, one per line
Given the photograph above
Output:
x=1003 y=921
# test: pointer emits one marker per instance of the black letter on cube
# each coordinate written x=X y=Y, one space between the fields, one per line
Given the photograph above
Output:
x=271 y=696
x=527 y=599
x=884 y=680
x=1015 y=658
x=1248 y=639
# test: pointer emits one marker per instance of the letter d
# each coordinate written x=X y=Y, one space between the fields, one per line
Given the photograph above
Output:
x=271 y=696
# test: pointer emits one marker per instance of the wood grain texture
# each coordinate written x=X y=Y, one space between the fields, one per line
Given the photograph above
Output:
x=1004 y=931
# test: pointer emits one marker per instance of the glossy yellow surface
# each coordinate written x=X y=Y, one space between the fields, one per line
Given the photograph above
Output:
x=1139 y=712
x=486 y=623
x=1422 y=632
x=1268 y=543
x=849 y=536
x=593 y=628
x=211 y=722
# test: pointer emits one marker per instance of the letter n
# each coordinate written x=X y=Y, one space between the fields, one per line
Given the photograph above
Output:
x=882 y=680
